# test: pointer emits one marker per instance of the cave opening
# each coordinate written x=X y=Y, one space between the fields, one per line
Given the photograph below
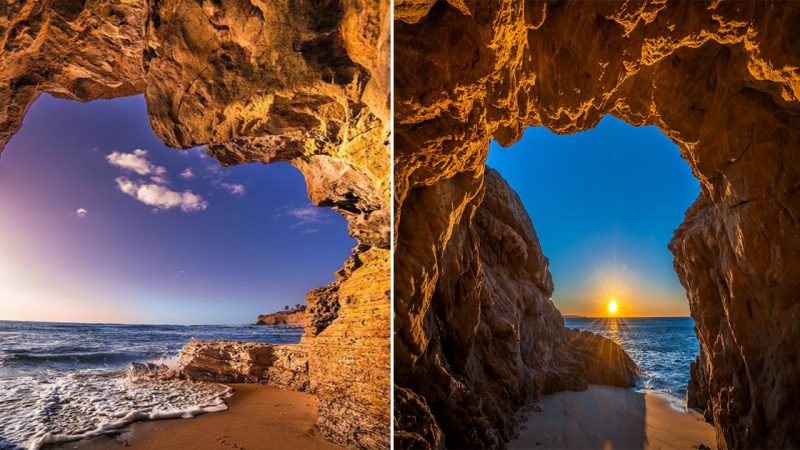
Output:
x=101 y=222
x=605 y=203
x=117 y=251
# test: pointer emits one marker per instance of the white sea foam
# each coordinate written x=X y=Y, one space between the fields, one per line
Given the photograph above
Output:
x=61 y=381
x=54 y=407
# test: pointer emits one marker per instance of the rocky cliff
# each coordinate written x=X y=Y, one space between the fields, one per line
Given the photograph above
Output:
x=720 y=79
x=297 y=317
x=494 y=341
x=300 y=81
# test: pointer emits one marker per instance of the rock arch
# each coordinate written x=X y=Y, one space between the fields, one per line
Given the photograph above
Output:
x=720 y=79
x=300 y=81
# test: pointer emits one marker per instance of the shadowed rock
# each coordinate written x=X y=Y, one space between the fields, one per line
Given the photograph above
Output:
x=602 y=360
x=496 y=341
x=720 y=79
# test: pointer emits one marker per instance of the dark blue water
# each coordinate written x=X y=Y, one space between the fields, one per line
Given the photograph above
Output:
x=62 y=381
x=662 y=347
x=33 y=346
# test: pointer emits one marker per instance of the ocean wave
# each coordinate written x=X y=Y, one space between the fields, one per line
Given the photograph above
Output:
x=82 y=357
x=61 y=382
x=55 y=408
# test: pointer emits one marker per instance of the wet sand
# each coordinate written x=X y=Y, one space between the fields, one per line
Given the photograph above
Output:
x=606 y=417
x=259 y=417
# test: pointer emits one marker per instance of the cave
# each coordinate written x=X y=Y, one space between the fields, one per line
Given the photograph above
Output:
x=311 y=92
x=605 y=203
x=719 y=79
x=114 y=227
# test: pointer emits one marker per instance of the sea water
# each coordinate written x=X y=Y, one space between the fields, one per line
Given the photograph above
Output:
x=64 y=381
x=663 y=348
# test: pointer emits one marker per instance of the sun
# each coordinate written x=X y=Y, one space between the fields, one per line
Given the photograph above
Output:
x=612 y=307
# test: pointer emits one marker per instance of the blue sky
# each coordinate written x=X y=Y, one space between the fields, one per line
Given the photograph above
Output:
x=99 y=221
x=605 y=203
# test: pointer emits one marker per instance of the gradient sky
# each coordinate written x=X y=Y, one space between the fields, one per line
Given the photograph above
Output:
x=605 y=204
x=100 y=222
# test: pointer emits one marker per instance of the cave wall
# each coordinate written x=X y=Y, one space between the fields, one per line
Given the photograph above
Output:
x=301 y=81
x=720 y=79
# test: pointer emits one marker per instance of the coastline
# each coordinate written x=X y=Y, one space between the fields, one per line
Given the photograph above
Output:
x=258 y=417
x=610 y=418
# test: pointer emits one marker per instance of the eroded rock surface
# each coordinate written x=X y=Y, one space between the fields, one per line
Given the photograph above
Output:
x=496 y=341
x=602 y=360
x=720 y=79
x=300 y=81
x=350 y=355
x=281 y=366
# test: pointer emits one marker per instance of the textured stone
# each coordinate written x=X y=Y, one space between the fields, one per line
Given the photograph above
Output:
x=414 y=424
x=300 y=81
x=281 y=366
x=350 y=358
x=720 y=79
x=71 y=49
x=602 y=360
x=494 y=341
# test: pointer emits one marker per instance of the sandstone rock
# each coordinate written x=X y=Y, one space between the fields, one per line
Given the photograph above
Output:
x=297 y=316
x=281 y=366
x=721 y=79
x=603 y=361
x=350 y=352
x=415 y=426
x=301 y=81
x=495 y=341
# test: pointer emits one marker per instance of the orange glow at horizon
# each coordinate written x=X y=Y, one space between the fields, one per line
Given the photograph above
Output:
x=612 y=307
x=632 y=295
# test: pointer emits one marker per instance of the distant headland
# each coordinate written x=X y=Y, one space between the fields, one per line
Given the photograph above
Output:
x=289 y=316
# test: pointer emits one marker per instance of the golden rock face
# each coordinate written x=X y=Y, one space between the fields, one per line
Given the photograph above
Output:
x=295 y=80
x=306 y=81
x=720 y=79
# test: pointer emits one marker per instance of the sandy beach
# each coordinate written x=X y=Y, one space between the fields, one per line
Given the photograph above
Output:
x=604 y=417
x=259 y=417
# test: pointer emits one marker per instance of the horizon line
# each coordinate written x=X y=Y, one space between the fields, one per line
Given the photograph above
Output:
x=625 y=317
x=131 y=323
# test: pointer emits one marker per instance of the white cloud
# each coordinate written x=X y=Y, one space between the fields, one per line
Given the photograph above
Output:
x=200 y=152
x=306 y=217
x=81 y=212
x=161 y=197
x=186 y=174
x=160 y=178
x=137 y=161
x=233 y=188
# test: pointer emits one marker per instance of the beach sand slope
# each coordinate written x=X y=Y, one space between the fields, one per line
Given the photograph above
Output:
x=605 y=417
x=259 y=417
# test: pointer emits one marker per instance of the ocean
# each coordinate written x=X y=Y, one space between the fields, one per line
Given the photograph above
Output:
x=663 y=348
x=62 y=381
